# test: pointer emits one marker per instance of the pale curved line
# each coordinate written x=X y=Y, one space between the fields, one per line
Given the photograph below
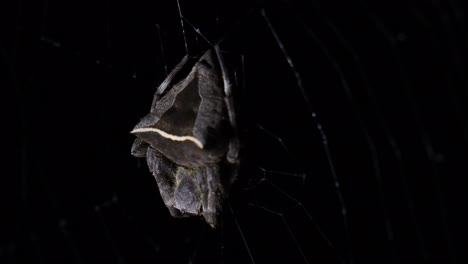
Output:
x=169 y=136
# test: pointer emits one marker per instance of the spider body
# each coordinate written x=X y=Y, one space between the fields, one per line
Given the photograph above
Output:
x=189 y=138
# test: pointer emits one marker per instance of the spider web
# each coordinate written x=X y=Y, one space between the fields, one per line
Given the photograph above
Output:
x=352 y=116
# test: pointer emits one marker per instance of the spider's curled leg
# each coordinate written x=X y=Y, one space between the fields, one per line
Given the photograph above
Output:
x=139 y=148
x=212 y=193
x=161 y=168
x=234 y=142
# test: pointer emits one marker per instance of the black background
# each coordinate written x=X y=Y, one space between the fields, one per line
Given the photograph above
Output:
x=374 y=97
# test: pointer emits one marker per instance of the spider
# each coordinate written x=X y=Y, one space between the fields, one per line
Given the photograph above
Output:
x=190 y=137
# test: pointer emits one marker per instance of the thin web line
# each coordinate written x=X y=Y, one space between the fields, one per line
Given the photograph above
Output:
x=241 y=233
x=364 y=130
x=183 y=27
x=294 y=239
x=319 y=127
x=383 y=124
x=162 y=49
x=424 y=137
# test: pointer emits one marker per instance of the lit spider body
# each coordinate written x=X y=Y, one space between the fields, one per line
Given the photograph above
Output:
x=189 y=138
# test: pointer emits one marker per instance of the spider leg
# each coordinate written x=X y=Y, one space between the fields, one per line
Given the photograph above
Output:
x=162 y=171
x=212 y=193
x=167 y=82
x=139 y=148
x=234 y=145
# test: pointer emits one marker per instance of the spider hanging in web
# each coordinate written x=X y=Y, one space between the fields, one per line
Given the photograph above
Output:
x=190 y=137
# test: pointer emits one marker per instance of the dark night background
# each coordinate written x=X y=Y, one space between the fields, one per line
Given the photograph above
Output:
x=373 y=101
